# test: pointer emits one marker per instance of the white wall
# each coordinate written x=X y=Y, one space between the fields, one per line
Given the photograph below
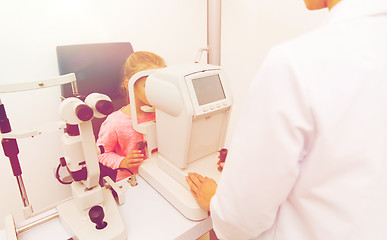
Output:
x=30 y=32
x=250 y=28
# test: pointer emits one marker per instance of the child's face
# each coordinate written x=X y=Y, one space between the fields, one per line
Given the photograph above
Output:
x=139 y=89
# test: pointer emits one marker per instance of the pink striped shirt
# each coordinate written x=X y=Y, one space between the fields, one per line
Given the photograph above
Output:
x=118 y=138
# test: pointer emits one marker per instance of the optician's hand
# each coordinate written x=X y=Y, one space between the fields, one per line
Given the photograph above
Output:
x=132 y=159
x=203 y=189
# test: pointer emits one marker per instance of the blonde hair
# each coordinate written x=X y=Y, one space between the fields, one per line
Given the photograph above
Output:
x=140 y=61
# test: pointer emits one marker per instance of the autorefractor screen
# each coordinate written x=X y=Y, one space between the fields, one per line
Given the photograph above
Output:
x=208 y=89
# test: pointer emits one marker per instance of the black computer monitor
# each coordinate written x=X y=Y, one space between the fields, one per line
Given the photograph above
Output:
x=98 y=68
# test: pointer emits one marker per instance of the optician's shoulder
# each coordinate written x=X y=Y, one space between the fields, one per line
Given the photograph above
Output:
x=348 y=30
x=311 y=56
x=338 y=42
x=312 y=45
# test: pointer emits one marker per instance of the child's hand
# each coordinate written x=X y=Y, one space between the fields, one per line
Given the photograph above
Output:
x=222 y=158
x=133 y=159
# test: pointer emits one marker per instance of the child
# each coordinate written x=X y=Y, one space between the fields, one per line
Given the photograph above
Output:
x=117 y=135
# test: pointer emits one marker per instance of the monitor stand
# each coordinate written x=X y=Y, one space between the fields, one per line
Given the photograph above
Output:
x=170 y=182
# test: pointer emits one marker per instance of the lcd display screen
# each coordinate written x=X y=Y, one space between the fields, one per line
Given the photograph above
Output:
x=208 y=89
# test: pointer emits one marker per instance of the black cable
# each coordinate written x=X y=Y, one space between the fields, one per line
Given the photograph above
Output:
x=125 y=169
x=61 y=181
x=58 y=177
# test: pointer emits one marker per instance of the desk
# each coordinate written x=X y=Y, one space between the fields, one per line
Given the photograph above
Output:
x=147 y=216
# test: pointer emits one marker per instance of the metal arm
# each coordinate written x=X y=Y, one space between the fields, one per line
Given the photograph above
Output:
x=8 y=136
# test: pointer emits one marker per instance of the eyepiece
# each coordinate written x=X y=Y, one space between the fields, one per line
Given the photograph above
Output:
x=105 y=107
x=84 y=112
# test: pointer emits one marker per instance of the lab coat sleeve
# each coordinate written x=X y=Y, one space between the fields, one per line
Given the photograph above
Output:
x=107 y=137
x=273 y=134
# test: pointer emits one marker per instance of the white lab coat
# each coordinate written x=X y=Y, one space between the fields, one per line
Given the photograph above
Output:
x=308 y=160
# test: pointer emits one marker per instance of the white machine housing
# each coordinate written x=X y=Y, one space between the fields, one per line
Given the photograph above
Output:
x=87 y=193
x=192 y=103
x=81 y=150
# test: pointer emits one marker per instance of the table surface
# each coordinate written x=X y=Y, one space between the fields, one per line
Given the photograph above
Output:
x=146 y=213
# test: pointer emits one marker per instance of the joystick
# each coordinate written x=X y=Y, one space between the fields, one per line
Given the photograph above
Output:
x=97 y=215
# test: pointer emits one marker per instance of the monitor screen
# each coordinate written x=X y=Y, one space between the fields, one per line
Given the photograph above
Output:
x=208 y=89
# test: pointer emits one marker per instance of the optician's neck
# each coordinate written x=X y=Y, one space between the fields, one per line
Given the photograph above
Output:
x=332 y=3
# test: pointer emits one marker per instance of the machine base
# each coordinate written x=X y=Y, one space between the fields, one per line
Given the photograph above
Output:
x=173 y=186
x=78 y=223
